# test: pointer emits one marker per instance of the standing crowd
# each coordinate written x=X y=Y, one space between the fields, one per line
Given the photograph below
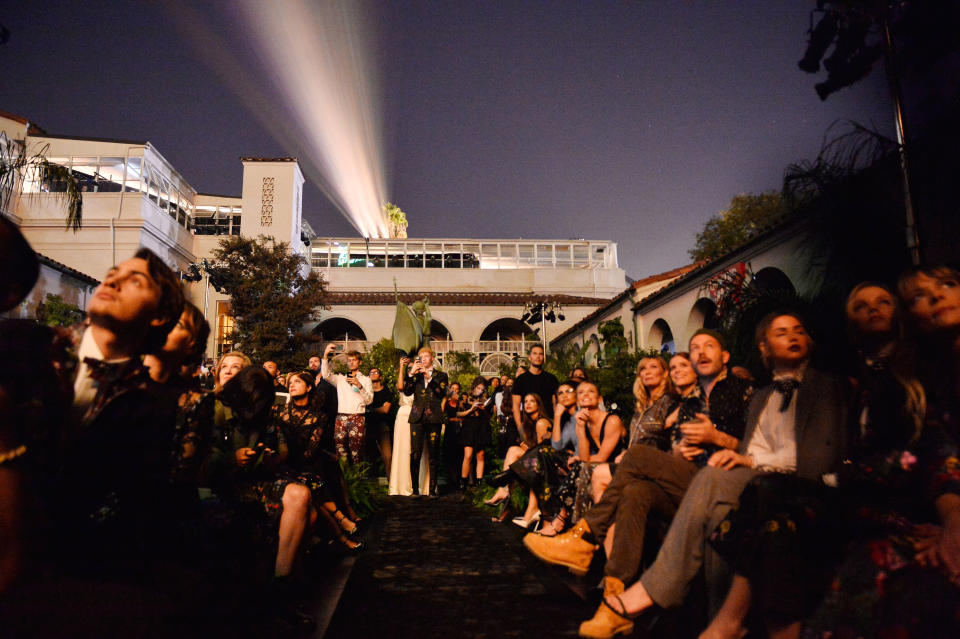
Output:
x=820 y=504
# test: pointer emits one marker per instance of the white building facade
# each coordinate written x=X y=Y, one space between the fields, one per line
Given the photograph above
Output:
x=133 y=197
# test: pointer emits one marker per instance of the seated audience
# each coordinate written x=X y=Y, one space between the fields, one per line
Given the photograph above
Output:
x=794 y=425
x=648 y=480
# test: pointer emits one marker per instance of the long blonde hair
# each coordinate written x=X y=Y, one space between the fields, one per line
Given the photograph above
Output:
x=645 y=399
x=915 y=399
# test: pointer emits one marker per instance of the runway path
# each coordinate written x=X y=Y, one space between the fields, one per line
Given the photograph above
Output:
x=441 y=568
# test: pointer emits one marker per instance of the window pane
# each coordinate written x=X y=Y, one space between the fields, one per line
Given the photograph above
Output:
x=471 y=256
x=526 y=255
x=545 y=255
x=133 y=184
x=110 y=174
x=580 y=256
x=84 y=171
x=563 y=256
x=433 y=253
x=508 y=256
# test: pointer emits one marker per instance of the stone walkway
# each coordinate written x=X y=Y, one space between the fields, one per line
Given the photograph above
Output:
x=441 y=568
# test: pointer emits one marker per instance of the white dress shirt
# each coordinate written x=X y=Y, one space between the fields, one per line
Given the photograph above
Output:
x=351 y=400
x=773 y=445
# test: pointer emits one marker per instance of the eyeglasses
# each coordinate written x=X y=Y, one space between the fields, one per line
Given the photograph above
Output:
x=565 y=390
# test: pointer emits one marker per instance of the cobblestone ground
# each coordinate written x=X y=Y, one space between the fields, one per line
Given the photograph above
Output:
x=441 y=568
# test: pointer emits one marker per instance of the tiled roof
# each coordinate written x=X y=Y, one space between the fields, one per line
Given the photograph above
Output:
x=646 y=281
x=14 y=117
x=63 y=268
x=667 y=275
x=457 y=299
x=32 y=128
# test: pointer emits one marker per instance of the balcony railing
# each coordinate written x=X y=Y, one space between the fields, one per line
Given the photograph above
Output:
x=463 y=254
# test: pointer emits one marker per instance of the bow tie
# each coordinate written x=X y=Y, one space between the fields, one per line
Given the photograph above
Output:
x=785 y=387
x=104 y=372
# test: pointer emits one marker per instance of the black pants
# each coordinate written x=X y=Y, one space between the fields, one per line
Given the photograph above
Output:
x=417 y=434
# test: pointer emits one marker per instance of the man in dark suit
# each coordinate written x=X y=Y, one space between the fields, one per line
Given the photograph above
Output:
x=428 y=387
x=794 y=425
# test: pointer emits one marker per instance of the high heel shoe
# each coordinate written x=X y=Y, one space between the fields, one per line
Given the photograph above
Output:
x=493 y=501
x=341 y=518
x=523 y=523
x=349 y=546
x=503 y=515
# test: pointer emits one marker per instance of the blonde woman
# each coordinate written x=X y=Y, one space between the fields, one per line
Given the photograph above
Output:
x=229 y=365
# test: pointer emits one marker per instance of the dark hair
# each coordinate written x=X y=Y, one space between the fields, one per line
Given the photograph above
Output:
x=715 y=334
x=533 y=346
x=582 y=370
x=764 y=325
x=170 y=304
x=528 y=427
x=200 y=329
x=306 y=376
x=249 y=394
x=479 y=379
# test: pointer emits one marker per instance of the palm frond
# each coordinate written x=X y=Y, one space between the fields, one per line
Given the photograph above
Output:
x=17 y=166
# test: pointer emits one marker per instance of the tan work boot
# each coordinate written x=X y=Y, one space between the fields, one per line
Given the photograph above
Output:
x=607 y=622
x=568 y=549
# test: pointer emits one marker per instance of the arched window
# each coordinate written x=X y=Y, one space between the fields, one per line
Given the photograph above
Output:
x=438 y=331
x=771 y=279
x=506 y=329
x=661 y=337
x=702 y=315
x=340 y=328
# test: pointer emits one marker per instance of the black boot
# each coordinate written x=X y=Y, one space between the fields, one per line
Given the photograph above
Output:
x=463 y=484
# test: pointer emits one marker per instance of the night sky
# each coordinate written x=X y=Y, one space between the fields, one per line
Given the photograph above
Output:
x=628 y=121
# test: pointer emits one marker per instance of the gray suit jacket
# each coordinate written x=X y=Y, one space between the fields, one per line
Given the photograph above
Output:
x=820 y=426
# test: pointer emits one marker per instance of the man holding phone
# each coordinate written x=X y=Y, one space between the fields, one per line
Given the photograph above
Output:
x=428 y=387
x=354 y=392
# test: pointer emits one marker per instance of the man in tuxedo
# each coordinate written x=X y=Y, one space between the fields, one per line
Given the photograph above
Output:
x=428 y=387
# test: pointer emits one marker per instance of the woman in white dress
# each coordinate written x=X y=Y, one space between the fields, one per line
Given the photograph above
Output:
x=400 y=482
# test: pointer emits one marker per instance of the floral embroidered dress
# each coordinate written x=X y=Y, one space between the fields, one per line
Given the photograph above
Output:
x=879 y=589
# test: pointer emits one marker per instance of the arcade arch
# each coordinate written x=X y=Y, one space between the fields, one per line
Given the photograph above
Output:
x=771 y=279
x=702 y=315
x=506 y=329
x=661 y=337
x=339 y=328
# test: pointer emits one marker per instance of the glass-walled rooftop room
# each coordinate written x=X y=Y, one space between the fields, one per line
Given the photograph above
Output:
x=152 y=178
x=461 y=253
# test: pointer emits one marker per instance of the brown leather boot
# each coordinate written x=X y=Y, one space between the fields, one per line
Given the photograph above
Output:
x=569 y=549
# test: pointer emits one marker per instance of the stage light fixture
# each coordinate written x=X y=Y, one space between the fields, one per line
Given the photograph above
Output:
x=820 y=38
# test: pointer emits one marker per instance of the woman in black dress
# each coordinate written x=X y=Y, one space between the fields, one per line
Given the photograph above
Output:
x=303 y=425
x=474 y=410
